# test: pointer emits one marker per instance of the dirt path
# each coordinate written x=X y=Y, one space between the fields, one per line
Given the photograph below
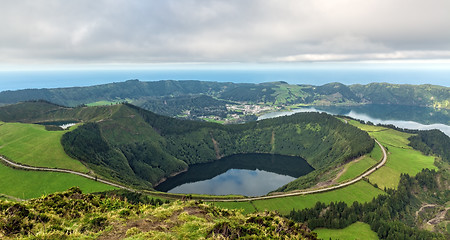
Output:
x=439 y=217
x=295 y=193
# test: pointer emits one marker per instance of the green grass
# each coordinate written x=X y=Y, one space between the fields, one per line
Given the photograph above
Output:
x=400 y=160
x=31 y=184
x=365 y=127
x=401 y=157
x=105 y=103
x=392 y=137
x=247 y=207
x=287 y=93
x=354 y=169
x=360 y=191
x=357 y=230
x=32 y=145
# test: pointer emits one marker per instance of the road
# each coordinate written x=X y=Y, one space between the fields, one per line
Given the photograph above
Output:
x=297 y=193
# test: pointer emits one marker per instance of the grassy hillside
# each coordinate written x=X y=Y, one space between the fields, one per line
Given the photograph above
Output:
x=33 y=145
x=86 y=216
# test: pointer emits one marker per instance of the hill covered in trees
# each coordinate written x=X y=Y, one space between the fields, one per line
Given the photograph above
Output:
x=136 y=147
x=160 y=96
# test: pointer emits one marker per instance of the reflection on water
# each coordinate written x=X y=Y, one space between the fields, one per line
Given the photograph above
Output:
x=237 y=181
x=244 y=174
x=401 y=116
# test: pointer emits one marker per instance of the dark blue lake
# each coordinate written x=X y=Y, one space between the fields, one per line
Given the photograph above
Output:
x=243 y=174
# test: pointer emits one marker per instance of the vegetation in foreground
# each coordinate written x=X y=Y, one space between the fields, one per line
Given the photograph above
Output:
x=73 y=215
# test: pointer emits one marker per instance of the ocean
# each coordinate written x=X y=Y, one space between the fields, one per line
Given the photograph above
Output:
x=14 y=80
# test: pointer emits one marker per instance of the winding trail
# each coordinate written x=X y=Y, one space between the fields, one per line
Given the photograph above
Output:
x=296 y=193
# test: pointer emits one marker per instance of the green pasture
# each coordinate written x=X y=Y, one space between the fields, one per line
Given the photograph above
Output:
x=31 y=184
x=360 y=191
x=365 y=127
x=391 y=137
x=401 y=157
x=354 y=169
x=32 y=145
x=400 y=160
x=357 y=230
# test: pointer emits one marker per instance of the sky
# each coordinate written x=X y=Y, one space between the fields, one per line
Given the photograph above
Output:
x=157 y=33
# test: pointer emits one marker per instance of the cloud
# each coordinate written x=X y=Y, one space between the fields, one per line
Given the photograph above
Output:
x=141 y=31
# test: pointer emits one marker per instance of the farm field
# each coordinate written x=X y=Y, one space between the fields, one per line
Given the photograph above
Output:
x=357 y=230
x=32 y=184
x=32 y=145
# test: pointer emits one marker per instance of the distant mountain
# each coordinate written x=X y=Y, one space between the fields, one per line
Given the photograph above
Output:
x=150 y=94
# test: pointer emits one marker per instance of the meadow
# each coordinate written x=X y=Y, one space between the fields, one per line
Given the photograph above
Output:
x=357 y=230
x=32 y=145
x=31 y=184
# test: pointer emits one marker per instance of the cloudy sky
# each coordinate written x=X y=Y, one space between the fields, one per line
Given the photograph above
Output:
x=244 y=31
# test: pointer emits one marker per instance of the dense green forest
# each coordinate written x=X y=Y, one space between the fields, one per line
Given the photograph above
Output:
x=391 y=216
x=134 y=146
x=149 y=94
